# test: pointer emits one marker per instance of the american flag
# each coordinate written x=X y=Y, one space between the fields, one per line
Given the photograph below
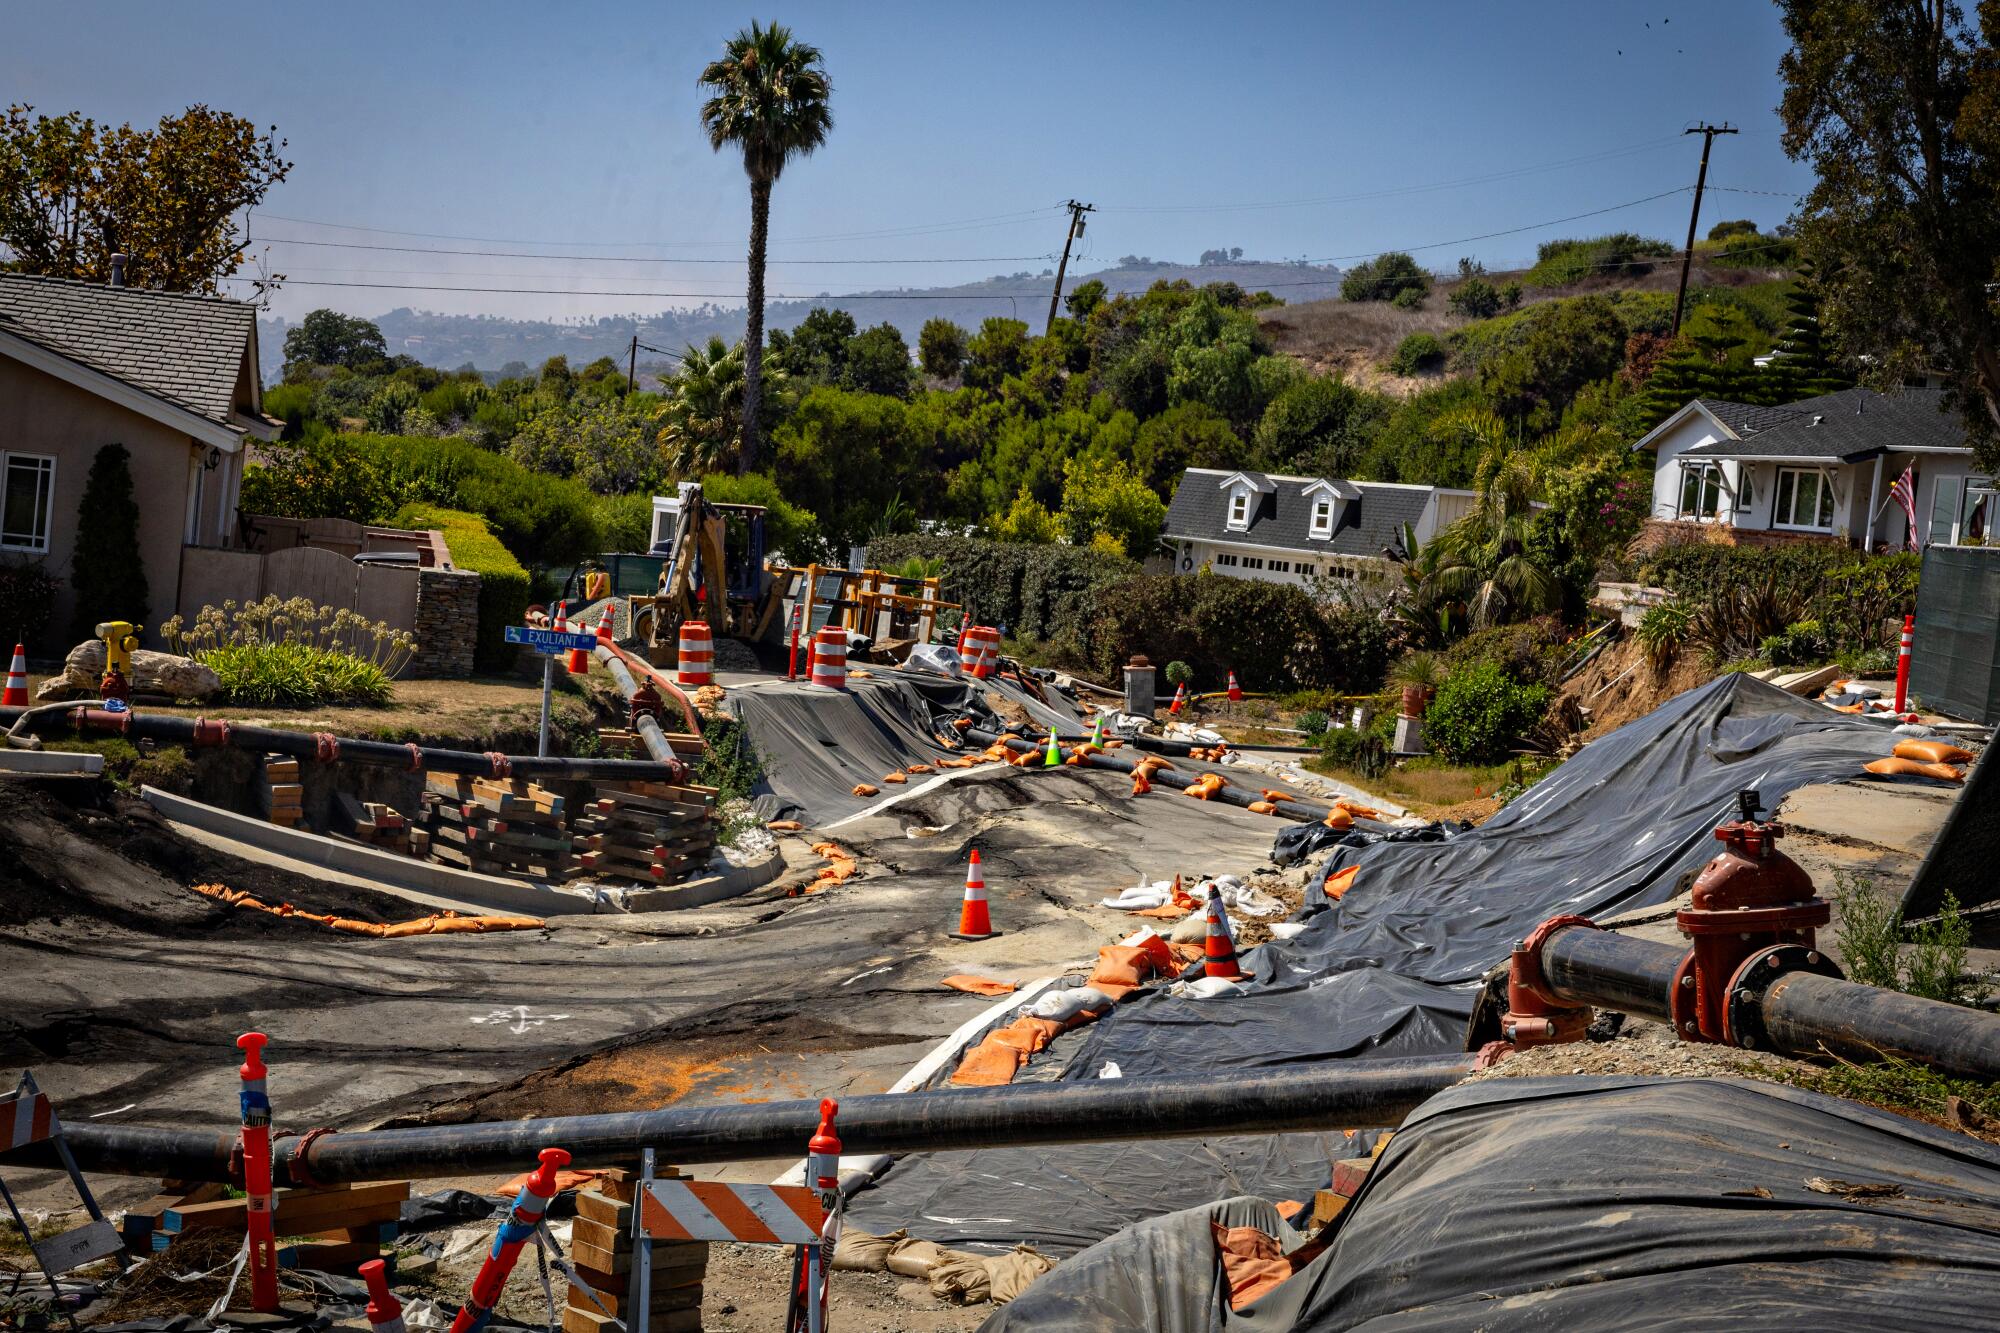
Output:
x=1904 y=493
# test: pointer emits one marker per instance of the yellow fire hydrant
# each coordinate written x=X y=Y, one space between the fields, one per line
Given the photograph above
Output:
x=121 y=640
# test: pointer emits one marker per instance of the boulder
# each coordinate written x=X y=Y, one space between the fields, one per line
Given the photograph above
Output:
x=154 y=673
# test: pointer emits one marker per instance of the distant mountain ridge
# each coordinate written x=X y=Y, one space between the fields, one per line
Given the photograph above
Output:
x=490 y=342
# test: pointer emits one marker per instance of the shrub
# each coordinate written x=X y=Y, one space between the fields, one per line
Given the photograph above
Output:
x=1313 y=722
x=1384 y=278
x=1036 y=591
x=1871 y=933
x=1663 y=631
x=1530 y=652
x=292 y=654
x=1566 y=263
x=1858 y=600
x=107 y=574
x=27 y=601
x=1480 y=713
x=1273 y=635
x=1475 y=298
x=503 y=583
x=1179 y=673
x=1416 y=354
x=1802 y=643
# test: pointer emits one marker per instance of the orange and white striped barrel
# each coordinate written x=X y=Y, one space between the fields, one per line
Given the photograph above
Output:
x=979 y=650
x=829 y=658
x=694 y=664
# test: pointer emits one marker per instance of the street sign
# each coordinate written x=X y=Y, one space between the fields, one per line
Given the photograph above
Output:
x=550 y=641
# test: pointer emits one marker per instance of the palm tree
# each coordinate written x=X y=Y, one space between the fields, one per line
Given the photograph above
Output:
x=770 y=100
x=699 y=426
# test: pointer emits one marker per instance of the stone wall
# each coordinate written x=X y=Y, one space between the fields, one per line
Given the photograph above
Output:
x=1656 y=533
x=447 y=623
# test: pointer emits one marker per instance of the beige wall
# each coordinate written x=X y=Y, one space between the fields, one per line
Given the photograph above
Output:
x=40 y=414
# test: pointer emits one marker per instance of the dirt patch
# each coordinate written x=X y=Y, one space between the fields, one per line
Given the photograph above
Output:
x=1644 y=1048
x=1621 y=686
x=745 y=1288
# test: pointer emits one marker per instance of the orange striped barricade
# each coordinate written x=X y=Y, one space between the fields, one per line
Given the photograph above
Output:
x=694 y=658
x=28 y=1116
x=829 y=658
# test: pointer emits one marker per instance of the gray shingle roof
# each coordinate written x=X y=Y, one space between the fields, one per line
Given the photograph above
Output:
x=1284 y=518
x=1745 y=419
x=187 y=350
x=1850 y=425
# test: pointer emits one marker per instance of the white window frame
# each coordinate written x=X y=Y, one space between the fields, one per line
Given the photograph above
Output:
x=1322 y=519
x=1699 y=468
x=1970 y=498
x=48 y=515
x=1823 y=491
x=1239 y=508
x=1953 y=511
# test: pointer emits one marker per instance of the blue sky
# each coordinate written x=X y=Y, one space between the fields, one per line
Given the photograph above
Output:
x=957 y=132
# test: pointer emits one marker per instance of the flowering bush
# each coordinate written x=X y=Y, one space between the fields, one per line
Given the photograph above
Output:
x=293 y=654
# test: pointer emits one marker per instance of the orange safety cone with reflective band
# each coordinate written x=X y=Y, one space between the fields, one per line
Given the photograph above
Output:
x=1180 y=699
x=17 y=680
x=1219 y=950
x=1235 y=690
x=974 y=923
x=579 y=658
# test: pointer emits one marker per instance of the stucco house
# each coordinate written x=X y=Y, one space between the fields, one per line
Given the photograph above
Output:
x=171 y=377
x=1256 y=525
x=1819 y=468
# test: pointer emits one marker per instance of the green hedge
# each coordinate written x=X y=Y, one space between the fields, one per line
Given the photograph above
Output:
x=503 y=584
x=1038 y=592
x=1272 y=635
x=1859 y=600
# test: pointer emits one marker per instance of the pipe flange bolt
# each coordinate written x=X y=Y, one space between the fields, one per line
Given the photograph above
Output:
x=1744 y=1013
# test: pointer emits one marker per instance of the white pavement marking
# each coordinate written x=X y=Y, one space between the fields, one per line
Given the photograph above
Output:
x=518 y=1018
x=119 y=1111
x=873 y=971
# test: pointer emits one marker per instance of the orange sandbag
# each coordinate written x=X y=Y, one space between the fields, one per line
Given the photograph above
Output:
x=1122 y=965
x=863 y=789
x=1140 y=786
x=988 y=1065
x=1154 y=761
x=839 y=872
x=1197 y=752
x=1114 y=745
x=1251 y=1262
x=1270 y=794
x=916 y=768
x=1028 y=1034
x=1894 y=767
x=1263 y=808
x=1338 y=818
x=1850 y=708
x=785 y=825
x=895 y=778
x=962 y=723
x=831 y=850
x=978 y=985
x=1340 y=882
x=1933 y=752
x=1361 y=811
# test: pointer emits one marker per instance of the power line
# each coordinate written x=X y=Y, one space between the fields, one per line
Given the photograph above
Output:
x=916 y=229
x=1510 y=231
x=1651 y=145
x=633 y=259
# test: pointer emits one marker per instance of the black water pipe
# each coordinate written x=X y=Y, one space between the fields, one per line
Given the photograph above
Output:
x=646 y=724
x=326 y=748
x=1350 y=1094
x=1800 y=1013
x=1304 y=812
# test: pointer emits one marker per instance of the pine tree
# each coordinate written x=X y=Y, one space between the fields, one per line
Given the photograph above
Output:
x=1804 y=366
x=106 y=571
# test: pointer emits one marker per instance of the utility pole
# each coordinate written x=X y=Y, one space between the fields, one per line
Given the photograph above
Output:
x=1707 y=133
x=632 y=367
x=1076 y=212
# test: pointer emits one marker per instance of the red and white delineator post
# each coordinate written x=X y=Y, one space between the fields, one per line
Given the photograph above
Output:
x=255 y=1101
x=385 y=1312
x=814 y=1263
x=1903 y=663
x=516 y=1231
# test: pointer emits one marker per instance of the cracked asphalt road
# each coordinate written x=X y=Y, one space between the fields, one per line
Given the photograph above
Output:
x=125 y=991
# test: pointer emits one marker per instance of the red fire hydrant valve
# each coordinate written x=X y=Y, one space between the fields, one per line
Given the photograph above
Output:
x=1747 y=900
x=1535 y=1016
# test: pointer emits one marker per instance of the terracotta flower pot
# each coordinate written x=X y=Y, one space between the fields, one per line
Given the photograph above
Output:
x=1416 y=698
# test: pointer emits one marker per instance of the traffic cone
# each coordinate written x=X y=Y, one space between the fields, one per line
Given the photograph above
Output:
x=1053 y=759
x=1097 y=730
x=1219 y=949
x=1235 y=690
x=16 y=695
x=973 y=921
x=604 y=627
x=1180 y=699
x=579 y=658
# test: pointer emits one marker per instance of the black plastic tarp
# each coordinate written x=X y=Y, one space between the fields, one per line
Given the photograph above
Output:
x=1393 y=968
x=1594 y=1203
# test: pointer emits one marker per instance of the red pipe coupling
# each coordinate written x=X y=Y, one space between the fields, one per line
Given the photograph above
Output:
x=1748 y=900
x=1535 y=1016
x=208 y=735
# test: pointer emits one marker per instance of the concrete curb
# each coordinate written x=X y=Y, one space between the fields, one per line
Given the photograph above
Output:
x=462 y=888
x=50 y=763
x=431 y=884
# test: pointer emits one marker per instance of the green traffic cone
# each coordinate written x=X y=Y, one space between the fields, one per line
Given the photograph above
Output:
x=1053 y=759
x=1097 y=731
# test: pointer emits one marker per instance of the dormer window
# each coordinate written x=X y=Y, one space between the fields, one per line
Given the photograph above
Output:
x=1322 y=519
x=1239 y=508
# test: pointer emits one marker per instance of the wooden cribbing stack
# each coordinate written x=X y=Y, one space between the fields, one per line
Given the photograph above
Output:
x=646 y=830
x=627 y=744
x=380 y=825
x=497 y=827
x=281 y=797
x=601 y=1249
x=337 y=1226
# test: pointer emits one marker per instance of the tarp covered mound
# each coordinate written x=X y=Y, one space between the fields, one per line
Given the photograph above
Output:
x=1392 y=969
x=1572 y=1203
x=817 y=744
